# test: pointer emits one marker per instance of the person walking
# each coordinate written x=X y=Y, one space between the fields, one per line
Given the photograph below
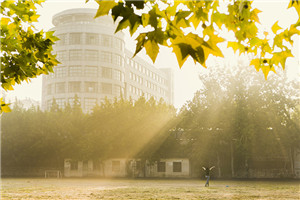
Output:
x=207 y=174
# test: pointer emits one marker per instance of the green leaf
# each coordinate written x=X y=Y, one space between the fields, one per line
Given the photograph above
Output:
x=180 y=19
x=145 y=19
x=152 y=49
x=124 y=23
x=135 y=22
x=140 y=43
x=275 y=27
x=104 y=7
x=198 y=55
x=181 y=51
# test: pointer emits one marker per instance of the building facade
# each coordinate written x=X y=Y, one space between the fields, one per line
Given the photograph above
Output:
x=95 y=65
x=132 y=168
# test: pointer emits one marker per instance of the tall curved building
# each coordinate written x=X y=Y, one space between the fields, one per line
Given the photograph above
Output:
x=95 y=65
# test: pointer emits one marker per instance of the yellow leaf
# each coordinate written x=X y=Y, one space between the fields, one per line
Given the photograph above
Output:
x=266 y=70
x=256 y=63
x=193 y=40
x=195 y=20
x=212 y=42
x=5 y=21
x=152 y=49
x=5 y=108
x=233 y=45
x=275 y=27
x=254 y=15
x=104 y=7
x=295 y=4
x=34 y=18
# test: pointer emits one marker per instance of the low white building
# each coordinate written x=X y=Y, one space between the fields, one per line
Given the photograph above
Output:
x=170 y=168
x=165 y=168
x=297 y=163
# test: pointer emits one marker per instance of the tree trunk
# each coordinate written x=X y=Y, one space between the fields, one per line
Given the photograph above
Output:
x=232 y=161
x=292 y=161
x=219 y=167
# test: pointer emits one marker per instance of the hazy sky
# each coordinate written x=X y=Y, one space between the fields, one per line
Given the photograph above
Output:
x=186 y=81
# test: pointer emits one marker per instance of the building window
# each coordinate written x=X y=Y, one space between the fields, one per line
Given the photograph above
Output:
x=75 y=54
x=72 y=100
x=60 y=87
x=96 y=165
x=74 y=165
x=117 y=90
x=61 y=103
x=90 y=87
x=105 y=56
x=122 y=76
x=161 y=167
x=89 y=104
x=91 y=55
x=75 y=70
x=62 y=39
x=105 y=40
x=117 y=43
x=60 y=71
x=61 y=55
x=91 y=71
x=66 y=19
x=176 y=166
x=49 y=89
x=117 y=75
x=106 y=88
x=92 y=39
x=75 y=38
x=116 y=166
x=106 y=72
x=117 y=59
x=74 y=86
x=49 y=104
x=131 y=63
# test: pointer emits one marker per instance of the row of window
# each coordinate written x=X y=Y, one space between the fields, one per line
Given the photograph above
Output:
x=88 y=87
x=161 y=167
x=144 y=70
x=90 y=39
x=87 y=71
x=76 y=18
x=148 y=84
x=90 y=55
x=116 y=166
x=139 y=92
x=136 y=78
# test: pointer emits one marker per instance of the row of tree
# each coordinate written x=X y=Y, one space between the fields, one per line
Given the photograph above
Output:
x=237 y=122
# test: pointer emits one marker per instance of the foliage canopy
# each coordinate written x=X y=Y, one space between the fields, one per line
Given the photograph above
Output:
x=192 y=28
x=25 y=51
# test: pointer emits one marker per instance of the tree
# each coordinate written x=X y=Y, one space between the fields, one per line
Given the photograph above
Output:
x=191 y=28
x=25 y=52
x=238 y=118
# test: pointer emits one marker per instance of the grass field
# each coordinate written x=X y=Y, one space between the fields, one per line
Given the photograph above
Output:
x=146 y=189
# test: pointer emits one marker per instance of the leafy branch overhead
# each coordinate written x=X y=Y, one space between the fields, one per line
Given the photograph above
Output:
x=191 y=29
x=25 y=52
